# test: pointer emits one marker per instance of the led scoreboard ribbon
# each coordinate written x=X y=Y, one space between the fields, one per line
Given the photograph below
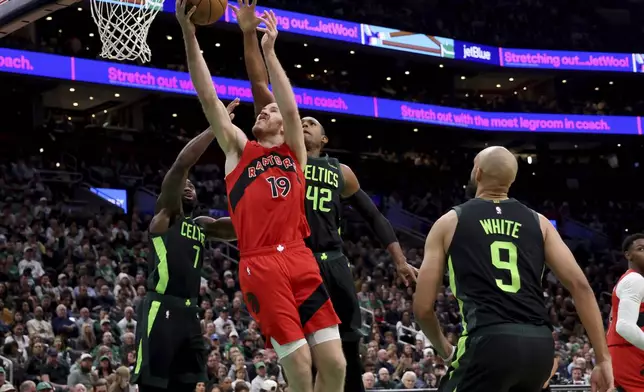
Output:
x=429 y=45
x=107 y=73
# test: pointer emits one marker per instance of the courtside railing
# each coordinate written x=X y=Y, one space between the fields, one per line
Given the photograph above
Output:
x=402 y=218
x=60 y=176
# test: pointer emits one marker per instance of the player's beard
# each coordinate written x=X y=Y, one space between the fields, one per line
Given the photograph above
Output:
x=188 y=206
x=470 y=189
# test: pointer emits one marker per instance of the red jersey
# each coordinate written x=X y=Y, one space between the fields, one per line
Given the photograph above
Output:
x=628 y=360
x=612 y=337
x=266 y=197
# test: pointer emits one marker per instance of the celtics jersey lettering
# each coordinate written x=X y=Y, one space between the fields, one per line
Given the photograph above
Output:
x=177 y=259
x=496 y=261
x=324 y=183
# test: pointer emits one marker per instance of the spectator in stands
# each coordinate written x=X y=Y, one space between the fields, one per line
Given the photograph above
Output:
x=223 y=321
x=28 y=386
x=100 y=386
x=39 y=327
x=127 y=322
x=80 y=388
x=3 y=377
x=23 y=340
x=62 y=324
x=30 y=264
x=408 y=381
x=267 y=386
x=120 y=381
x=44 y=387
x=368 y=380
x=105 y=298
x=81 y=373
x=54 y=370
x=262 y=376
x=406 y=328
x=384 y=379
x=7 y=388
x=62 y=286
x=241 y=387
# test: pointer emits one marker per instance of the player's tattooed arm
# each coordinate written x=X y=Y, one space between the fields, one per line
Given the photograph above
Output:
x=230 y=138
x=361 y=201
x=430 y=280
x=255 y=67
x=220 y=229
x=282 y=89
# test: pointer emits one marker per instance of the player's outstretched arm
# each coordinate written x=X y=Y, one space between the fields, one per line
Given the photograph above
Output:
x=255 y=67
x=430 y=280
x=169 y=201
x=219 y=229
x=231 y=139
x=378 y=223
x=630 y=291
x=282 y=89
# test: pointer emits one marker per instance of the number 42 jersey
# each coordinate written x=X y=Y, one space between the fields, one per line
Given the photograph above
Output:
x=266 y=197
x=496 y=262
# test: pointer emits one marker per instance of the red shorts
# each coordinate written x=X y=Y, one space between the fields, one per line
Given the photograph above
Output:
x=284 y=293
x=628 y=367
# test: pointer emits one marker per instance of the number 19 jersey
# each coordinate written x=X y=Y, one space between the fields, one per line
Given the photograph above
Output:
x=266 y=197
x=496 y=262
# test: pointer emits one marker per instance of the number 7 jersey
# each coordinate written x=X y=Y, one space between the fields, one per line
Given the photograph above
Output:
x=266 y=197
x=496 y=262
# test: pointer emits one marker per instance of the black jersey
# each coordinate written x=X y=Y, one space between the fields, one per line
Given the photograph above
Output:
x=496 y=261
x=177 y=260
x=324 y=183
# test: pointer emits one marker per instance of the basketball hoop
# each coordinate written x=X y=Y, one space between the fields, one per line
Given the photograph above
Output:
x=123 y=27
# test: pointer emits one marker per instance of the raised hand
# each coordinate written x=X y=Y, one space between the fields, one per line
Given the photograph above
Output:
x=270 y=31
x=407 y=272
x=184 y=17
x=245 y=13
x=231 y=107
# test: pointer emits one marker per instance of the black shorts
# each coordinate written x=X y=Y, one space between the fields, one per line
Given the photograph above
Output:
x=338 y=280
x=169 y=342
x=501 y=358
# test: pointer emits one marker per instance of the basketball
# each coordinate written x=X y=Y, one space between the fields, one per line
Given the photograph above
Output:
x=208 y=11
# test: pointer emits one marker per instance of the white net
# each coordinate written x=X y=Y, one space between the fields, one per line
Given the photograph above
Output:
x=123 y=27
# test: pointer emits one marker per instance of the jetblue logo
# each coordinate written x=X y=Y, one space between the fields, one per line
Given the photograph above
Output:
x=476 y=52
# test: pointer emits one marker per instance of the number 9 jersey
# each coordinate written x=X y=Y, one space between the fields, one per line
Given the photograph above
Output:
x=266 y=197
x=496 y=261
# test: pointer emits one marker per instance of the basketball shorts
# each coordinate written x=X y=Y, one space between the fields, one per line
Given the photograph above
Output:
x=501 y=358
x=169 y=342
x=628 y=368
x=284 y=293
x=338 y=280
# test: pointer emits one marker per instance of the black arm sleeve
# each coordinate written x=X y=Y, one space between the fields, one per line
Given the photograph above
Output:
x=378 y=223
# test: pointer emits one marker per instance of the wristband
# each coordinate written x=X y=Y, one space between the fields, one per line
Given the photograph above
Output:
x=451 y=355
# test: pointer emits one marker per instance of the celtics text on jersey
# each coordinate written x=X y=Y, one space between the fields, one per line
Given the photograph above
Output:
x=324 y=183
x=177 y=260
